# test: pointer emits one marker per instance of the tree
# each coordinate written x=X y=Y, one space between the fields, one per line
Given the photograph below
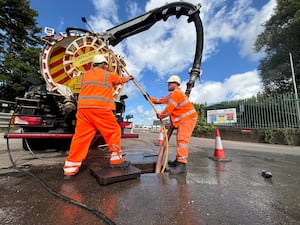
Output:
x=280 y=37
x=201 y=127
x=19 y=47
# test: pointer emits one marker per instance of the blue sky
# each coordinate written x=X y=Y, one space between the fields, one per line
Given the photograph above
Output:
x=229 y=64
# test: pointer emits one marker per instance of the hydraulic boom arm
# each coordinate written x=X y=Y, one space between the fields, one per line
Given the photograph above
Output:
x=147 y=20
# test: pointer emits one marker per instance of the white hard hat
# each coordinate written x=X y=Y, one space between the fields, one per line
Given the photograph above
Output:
x=99 y=59
x=174 y=78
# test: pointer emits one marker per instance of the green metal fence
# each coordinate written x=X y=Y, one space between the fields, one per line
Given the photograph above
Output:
x=281 y=111
x=6 y=110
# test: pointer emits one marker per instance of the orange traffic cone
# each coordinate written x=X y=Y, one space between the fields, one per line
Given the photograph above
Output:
x=160 y=137
x=219 y=154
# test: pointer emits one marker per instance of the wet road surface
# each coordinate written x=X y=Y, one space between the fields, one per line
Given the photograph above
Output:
x=210 y=193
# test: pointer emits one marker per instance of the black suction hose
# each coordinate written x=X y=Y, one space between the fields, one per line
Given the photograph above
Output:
x=99 y=214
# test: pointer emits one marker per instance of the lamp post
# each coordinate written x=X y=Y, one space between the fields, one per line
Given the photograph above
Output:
x=295 y=87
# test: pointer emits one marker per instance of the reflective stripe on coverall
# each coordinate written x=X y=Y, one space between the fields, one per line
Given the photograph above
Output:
x=184 y=133
x=95 y=105
x=183 y=116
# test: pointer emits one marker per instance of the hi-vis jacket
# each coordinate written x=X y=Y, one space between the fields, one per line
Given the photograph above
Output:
x=96 y=89
x=179 y=108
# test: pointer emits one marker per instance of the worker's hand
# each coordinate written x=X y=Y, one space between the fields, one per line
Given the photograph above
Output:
x=146 y=96
x=130 y=77
x=157 y=115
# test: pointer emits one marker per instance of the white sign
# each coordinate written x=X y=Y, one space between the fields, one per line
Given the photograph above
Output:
x=221 y=116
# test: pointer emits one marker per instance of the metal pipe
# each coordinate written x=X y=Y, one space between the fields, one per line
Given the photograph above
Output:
x=295 y=87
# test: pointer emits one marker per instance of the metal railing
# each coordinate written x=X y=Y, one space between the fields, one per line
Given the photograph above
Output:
x=6 y=111
x=280 y=111
x=4 y=119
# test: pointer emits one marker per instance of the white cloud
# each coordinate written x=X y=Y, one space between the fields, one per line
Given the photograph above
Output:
x=142 y=113
x=237 y=86
x=106 y=9
x=168 y=47
x=133 y=9
x=240 y=22
x=250 y=29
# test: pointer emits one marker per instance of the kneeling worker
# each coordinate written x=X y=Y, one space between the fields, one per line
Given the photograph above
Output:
x=95 y=108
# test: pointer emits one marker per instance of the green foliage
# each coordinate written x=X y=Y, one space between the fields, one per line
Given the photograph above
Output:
x=268 y=134
x=281 y=136
x=201 y=113
x=288 y=135
x=201 y=127
x=205 y=130
x=280 y=37
x=20 y=47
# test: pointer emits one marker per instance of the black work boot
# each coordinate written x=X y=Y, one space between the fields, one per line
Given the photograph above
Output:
x=172 y=163
x=179 y=168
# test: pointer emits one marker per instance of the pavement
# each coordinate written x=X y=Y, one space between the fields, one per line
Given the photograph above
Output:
x=213 y=193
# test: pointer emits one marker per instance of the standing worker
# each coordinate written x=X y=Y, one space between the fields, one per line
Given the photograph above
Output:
x=183 y=116
x=95 y=108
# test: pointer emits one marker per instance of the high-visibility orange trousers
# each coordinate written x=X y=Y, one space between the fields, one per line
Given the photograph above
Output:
x=89 y=121
x=184 y=133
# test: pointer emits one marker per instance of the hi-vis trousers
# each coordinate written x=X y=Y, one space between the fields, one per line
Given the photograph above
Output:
x=184 y=133
x=89 y=121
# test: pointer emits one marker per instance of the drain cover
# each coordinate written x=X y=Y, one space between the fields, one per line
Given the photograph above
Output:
x=105 y=176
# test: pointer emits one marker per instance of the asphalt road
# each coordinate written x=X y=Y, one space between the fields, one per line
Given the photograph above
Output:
x=211 y=192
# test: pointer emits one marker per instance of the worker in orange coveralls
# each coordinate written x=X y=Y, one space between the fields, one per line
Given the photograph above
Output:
x=95 y=113
x=183 y=116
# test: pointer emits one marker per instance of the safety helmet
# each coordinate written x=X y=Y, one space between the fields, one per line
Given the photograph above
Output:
x=174 y=78
x=99 y=59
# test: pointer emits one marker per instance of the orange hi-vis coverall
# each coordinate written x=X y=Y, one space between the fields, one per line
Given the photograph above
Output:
x=183 y=116
x=95 y=113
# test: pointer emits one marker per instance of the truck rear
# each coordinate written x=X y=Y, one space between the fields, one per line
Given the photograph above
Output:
x=46 y=113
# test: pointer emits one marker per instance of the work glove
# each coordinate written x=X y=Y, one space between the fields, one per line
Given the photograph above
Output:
x=146 y=96
x=157 y=115
x=130 y=77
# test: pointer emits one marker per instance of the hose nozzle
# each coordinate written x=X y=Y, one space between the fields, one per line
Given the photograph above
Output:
x=194 y=74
